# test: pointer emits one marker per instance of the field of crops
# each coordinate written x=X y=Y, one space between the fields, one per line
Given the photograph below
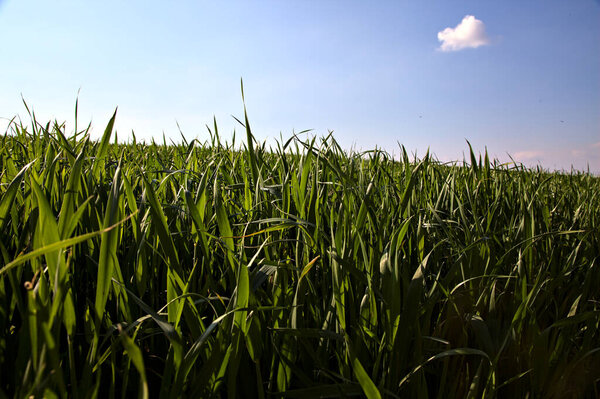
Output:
x=207 y=269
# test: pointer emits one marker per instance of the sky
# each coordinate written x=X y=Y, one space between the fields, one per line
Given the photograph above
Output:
x=520 y=78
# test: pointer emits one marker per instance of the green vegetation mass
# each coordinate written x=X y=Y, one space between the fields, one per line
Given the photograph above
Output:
x=299 y=270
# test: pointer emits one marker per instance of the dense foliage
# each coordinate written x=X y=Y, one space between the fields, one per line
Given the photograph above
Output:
x=199 y=270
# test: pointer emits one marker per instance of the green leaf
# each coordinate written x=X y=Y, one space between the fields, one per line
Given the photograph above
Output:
x=69 y=242
x=135 y=354
x=66 y=224
x=102 y=148
x=367 y=385
x=108 y=247
x=450 y=352
x=10 y=193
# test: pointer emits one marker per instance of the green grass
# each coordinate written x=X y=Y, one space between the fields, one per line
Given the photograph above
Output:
x=198 y=270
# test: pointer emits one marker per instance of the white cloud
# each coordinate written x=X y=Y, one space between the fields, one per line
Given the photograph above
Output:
x=470 y=33
x=528 y=155
x=578 y=153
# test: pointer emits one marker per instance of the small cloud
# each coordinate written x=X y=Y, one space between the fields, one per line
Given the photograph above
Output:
x=587 y=152
x=577 y=153
x=528 y=155
x=470 y=33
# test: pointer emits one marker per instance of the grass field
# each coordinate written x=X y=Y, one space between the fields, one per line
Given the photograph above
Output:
x=206 y=270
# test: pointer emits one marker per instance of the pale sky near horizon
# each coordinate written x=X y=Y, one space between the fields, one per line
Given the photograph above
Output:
x=522 y=78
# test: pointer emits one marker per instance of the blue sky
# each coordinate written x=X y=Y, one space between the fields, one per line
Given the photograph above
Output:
x=373 y=72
